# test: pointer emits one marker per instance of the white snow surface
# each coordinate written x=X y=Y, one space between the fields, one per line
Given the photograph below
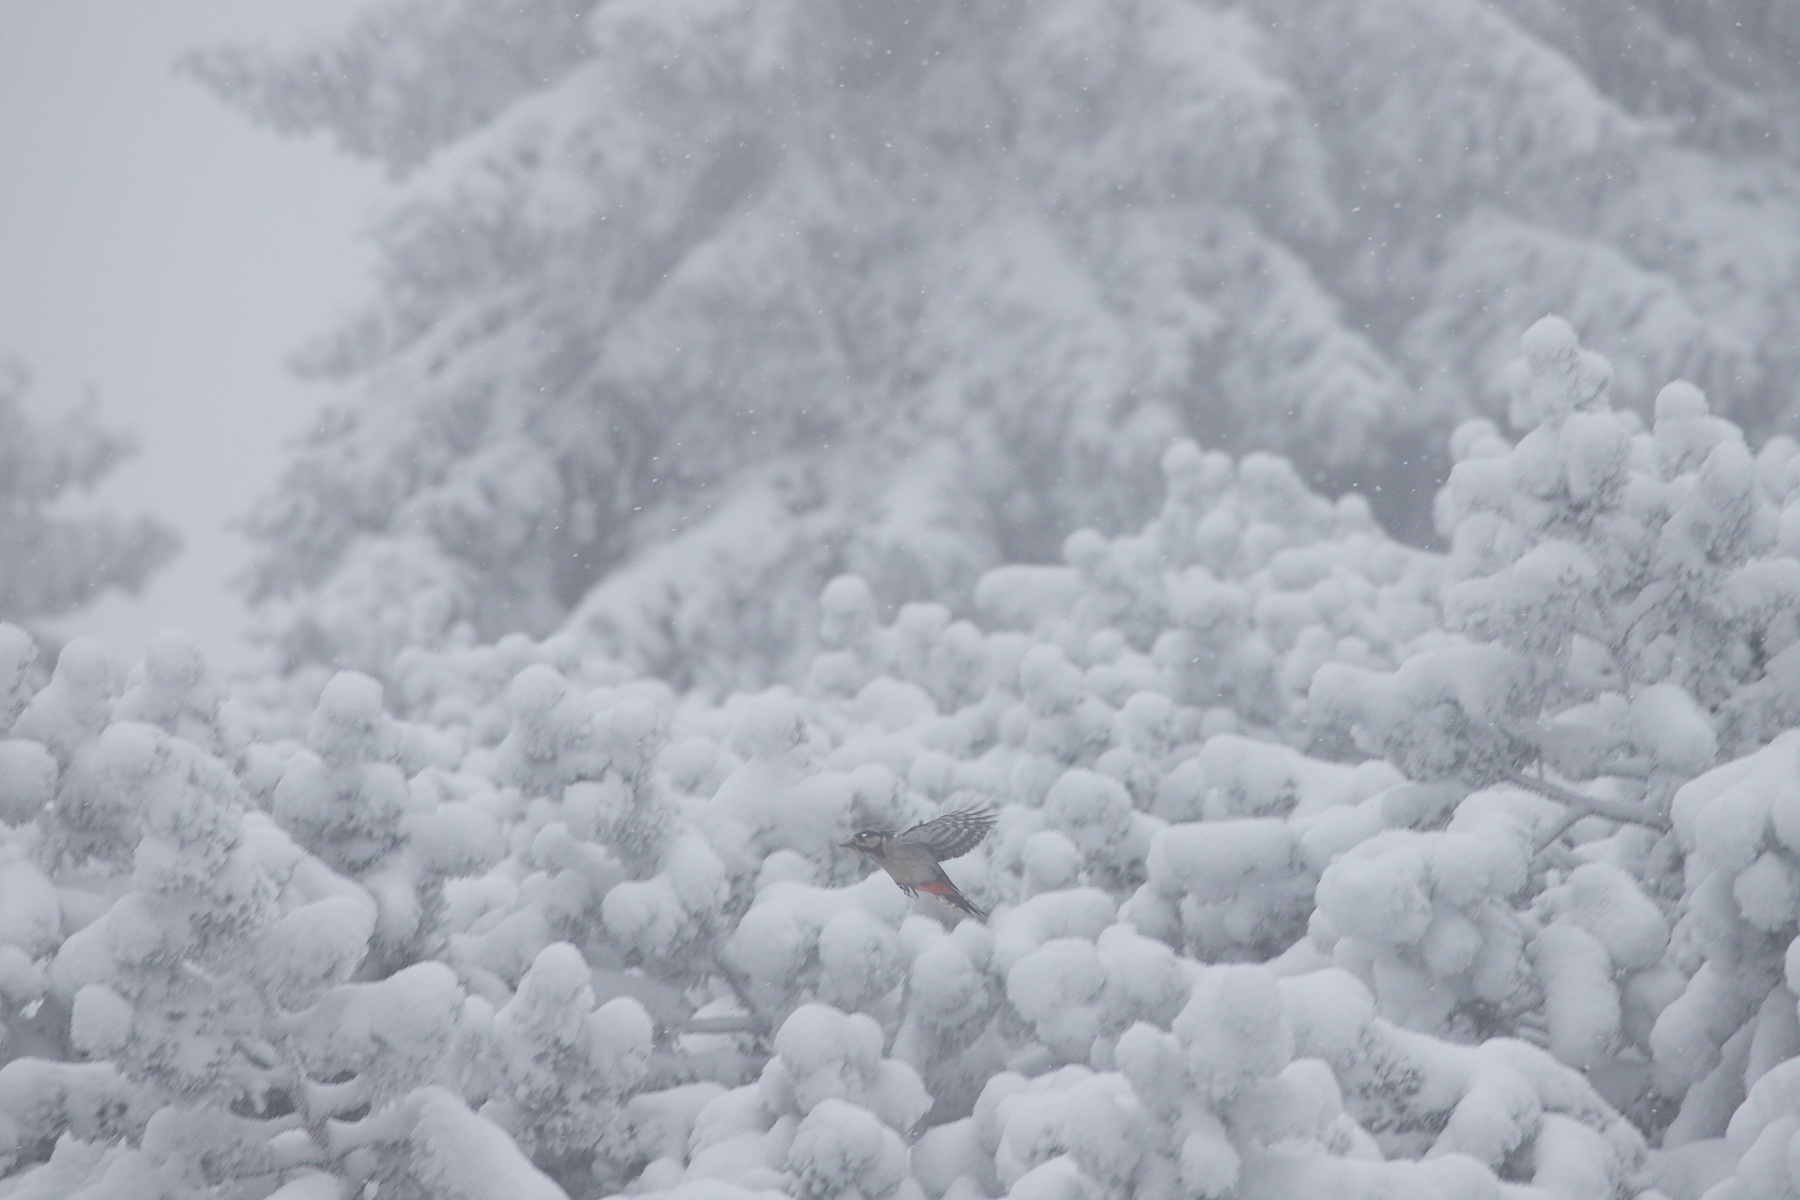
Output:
x=1322 y=866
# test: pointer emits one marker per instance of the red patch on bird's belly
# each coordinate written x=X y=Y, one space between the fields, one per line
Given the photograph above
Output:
x=939 y=889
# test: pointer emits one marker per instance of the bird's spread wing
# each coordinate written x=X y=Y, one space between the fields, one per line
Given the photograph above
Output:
x=953 y=834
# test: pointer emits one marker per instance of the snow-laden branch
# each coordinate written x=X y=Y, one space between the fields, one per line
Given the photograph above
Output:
x=1581 y=805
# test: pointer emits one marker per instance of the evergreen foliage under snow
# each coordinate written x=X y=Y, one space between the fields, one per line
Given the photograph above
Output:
x=55 y=557
x=691 y=305
x=1324 y=866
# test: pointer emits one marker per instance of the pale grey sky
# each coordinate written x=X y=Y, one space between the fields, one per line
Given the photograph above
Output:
x=158 y=247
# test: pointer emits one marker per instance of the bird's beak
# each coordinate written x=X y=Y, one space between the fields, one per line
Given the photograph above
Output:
x=850 y=846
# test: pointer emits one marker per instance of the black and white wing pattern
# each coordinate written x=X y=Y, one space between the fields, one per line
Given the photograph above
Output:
x=953 y=834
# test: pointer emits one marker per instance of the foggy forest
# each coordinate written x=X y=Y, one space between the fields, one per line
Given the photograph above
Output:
x=1288 y=511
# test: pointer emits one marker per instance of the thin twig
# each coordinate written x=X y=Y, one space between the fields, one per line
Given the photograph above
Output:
x=1585 y=806
x=1647 y=598
x=1563 y=824
x=1599 y=806
x=742 y=992
x=672 y=1068
x=739 y=1024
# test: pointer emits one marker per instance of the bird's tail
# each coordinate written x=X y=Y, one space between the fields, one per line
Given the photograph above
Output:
x=949 y=893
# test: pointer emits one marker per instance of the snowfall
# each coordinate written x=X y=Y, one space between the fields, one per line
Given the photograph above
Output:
x=1324 y=866
x=692 y=496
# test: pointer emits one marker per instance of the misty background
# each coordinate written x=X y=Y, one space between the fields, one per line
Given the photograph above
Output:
x=162 y=252
x=652 y=327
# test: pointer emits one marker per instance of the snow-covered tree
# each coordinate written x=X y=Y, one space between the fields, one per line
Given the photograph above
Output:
x=1724 y=71
x=689 y=307
x=1616 y=598
x=54 y=557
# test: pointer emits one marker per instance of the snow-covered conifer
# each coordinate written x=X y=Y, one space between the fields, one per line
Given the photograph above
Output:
x=54 y=559
x=1049 y=241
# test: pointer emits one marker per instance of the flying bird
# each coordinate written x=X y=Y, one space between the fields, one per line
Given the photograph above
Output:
x=914 y=857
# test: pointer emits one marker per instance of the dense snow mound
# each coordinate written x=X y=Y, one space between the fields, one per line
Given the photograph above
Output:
x=1323 y=866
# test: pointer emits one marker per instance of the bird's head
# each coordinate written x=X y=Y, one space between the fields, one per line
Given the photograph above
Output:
x=867 y=843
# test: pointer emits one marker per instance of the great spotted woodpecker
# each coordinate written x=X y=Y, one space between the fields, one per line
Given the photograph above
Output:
x=913 y=857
